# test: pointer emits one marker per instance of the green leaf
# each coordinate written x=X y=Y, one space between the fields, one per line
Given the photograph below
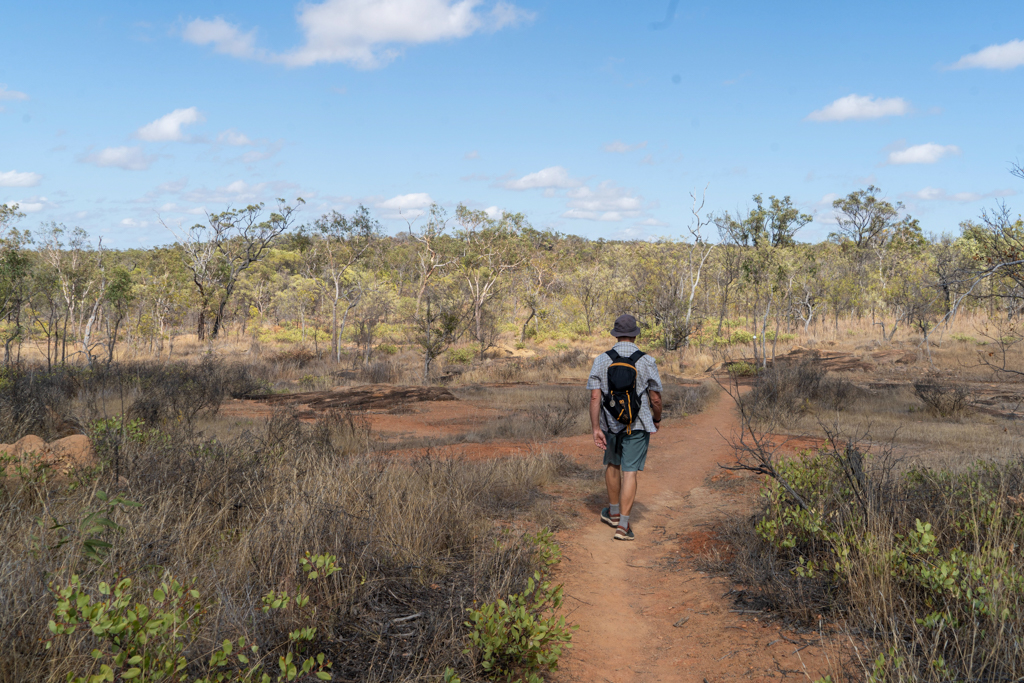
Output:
x=131 y=673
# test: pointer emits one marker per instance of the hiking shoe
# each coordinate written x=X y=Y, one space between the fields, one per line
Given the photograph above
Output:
x=623 y=534
x=607 y=518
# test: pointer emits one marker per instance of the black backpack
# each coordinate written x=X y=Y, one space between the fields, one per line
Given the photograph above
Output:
x=622 y=401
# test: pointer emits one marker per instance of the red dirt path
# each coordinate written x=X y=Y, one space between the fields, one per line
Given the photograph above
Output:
x=626 y=597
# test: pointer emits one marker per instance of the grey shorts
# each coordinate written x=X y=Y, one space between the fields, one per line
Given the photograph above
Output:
x=627 y=451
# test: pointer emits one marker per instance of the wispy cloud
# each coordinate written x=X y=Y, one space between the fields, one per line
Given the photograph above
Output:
x=168 y=128
x=553 y=177
x=19 y=179
x=1006 y=56
x=606 y=202
x=620 y=147
x=860 y=107
x=364 y=33
x=6 y=94
x=934 y=194
x=928 y=153
x=127 y=158
x=234 y=138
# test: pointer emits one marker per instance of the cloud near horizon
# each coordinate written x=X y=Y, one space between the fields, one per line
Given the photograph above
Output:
x=363 y=33
x=935 y=194
x=553 y=177
x=1003 y=57
x=860 y=107
x=928 y=153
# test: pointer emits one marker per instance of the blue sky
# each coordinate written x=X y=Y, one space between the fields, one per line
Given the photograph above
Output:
x=594 y=118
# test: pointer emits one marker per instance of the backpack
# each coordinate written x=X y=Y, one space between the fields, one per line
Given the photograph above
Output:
x=622 y=401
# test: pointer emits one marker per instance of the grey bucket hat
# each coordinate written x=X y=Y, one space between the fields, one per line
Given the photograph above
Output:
x=625 y=326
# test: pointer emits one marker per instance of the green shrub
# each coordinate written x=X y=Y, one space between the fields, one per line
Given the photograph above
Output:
x=387 y=349
x=146 y=639
x=965 y=338
x=742 y=369
x=461 y=356
x=517 y=638
x=741 y=337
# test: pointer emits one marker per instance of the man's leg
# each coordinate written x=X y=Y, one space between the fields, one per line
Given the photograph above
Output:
x=627 y=493
x=613 y=480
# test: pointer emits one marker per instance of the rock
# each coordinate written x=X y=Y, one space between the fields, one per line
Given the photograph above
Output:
x=28 y=444
x=72 y=451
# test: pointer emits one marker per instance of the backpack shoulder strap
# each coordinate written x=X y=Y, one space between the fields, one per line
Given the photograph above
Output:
x=637 y=355
x=613 y=354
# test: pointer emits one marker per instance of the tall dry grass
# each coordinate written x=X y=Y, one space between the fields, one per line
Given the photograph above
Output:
x=422 y=538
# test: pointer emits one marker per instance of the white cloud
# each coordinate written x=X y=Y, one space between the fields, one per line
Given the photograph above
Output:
x=167 y=128
x=128 y=158
x=493 y=212
x=934 y=194
x=416 y=200
x=860 y=107
x=1006 y=56
x=30 y=205
x=234 y=138
x=132 y=223
x=620 y=147
x=6 y=94
x=364 y=33
x=927 y=153
x=605 y=203
x=406 y=206
x=226 y=38
x=19 y=179
x=551 y=177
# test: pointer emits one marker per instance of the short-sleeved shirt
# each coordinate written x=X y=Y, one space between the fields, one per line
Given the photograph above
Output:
x=647 y=380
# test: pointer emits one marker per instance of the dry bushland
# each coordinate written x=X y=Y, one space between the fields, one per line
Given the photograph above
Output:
x=417 y=541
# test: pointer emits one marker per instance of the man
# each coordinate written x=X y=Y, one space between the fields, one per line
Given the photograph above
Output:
x=624 y=446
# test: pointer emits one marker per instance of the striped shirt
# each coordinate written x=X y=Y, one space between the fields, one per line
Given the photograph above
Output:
x=647 y=379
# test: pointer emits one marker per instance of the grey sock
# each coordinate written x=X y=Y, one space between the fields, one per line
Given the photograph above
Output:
x=624 y=521
x=613 y=509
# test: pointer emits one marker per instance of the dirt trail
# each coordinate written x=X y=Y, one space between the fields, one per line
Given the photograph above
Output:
x=627 y=597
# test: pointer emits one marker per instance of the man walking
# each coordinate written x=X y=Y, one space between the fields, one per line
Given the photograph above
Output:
x=623 y=417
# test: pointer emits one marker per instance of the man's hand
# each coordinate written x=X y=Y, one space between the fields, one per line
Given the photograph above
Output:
x=595 y=419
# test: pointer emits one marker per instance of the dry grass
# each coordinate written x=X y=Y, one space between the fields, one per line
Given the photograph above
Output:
x=236 y=513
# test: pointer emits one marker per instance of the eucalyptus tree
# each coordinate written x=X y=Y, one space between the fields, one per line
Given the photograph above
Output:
x=15 y=268
x=220 y=251
x=489 y=251
x=341 y=243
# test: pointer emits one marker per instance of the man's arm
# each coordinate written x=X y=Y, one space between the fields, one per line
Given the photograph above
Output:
x=655 y=405
x=595 y=418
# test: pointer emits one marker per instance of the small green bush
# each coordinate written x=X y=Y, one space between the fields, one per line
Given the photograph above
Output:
x=741 y=337
x=742 y=369
x=461 y=356
x=146 y=639
x=387 y=349
x=965 y=338
x=517 y=638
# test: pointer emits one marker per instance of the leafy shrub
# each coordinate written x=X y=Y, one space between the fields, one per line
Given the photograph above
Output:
x=461 y=356
x=387 y=349
x=742 y=369
x=741 y=337
x=148 y=640
x=517 y=638
x=965 y=338
x=924 y=561
x=316 y=382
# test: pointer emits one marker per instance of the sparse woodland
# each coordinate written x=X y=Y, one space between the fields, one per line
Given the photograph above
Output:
x=336 y=285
